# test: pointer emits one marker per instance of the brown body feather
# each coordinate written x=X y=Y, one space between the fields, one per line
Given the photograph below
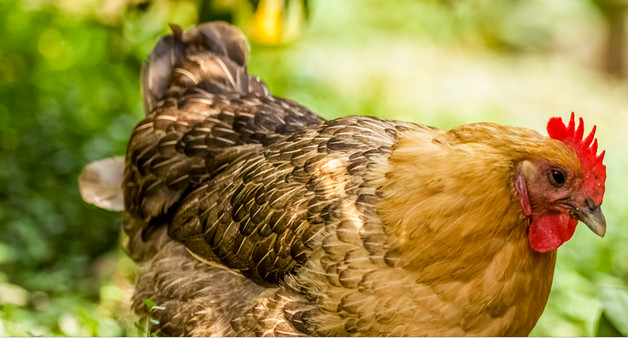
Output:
x=254 y=216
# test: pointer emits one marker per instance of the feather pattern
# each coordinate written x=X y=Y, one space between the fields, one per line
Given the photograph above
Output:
x=245 y=180
x=252 y=215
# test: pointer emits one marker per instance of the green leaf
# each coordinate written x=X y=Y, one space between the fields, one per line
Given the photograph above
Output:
x=615 y=302
x=606 y=329
x=149 y=303
x=139 y=327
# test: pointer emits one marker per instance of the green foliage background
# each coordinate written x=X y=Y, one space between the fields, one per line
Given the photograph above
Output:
x=69 y=95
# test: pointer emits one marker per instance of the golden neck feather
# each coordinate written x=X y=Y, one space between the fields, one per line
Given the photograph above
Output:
x=455 y=188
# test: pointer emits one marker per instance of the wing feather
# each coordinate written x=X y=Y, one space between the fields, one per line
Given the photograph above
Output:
x=261 y=214
x=243 y=178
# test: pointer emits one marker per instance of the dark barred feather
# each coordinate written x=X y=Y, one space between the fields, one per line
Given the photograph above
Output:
x=251 y=185
x=199 y=101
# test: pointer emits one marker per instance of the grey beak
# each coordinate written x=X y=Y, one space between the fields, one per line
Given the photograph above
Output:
x=594 y=219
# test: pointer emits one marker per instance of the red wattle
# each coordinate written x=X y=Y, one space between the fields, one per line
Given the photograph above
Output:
x=550 y=231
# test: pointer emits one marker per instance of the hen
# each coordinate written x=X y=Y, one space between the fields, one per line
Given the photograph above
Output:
x=252 y=215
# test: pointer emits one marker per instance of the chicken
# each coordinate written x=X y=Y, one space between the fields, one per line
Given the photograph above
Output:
x=251 y=215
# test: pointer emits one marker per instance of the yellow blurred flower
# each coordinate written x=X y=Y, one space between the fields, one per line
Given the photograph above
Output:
x=276 y=22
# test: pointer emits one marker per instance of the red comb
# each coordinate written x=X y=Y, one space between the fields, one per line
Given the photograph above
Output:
x=594 y=171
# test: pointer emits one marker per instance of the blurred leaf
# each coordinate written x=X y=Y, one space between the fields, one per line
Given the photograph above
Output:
x=606 y=329
x=615 y=302
x=13 y=294
x=140 y=328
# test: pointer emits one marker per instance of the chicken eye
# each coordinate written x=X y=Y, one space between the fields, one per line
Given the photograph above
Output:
x=557 y=178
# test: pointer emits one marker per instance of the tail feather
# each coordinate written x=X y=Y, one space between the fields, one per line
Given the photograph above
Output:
x=204 y=112
x=210 y=56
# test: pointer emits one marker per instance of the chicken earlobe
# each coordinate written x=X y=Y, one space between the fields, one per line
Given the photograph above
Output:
x=522 y=192
x=547 y=232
